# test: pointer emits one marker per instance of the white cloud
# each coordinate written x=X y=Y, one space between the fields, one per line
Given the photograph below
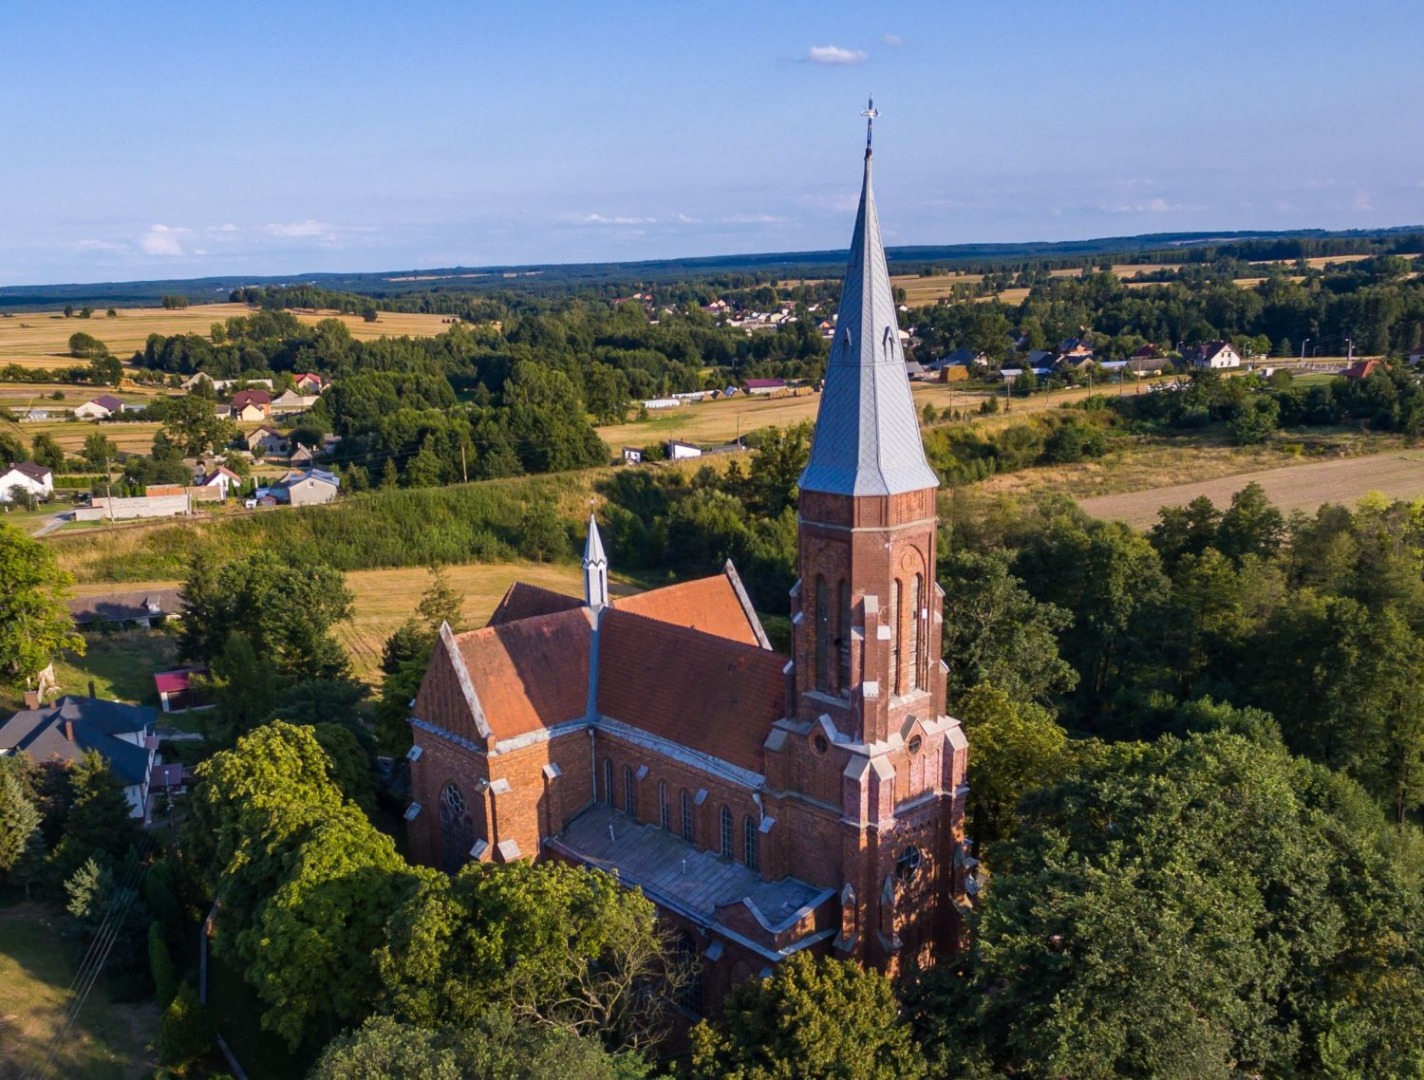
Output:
x=893 y=40
x=162 y=240
x=602 y=219
x=1363 y=202
x=847 y=200
x=683 y=219
x=752 y=219
x=309 y=227
x=99 y=245
x=1158 y=205
x=834 y=55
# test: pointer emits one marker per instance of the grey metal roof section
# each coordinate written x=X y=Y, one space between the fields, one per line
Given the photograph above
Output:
x=593 y=554
x=867 y=439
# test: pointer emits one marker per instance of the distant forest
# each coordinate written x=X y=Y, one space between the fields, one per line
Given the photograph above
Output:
x=735 y=271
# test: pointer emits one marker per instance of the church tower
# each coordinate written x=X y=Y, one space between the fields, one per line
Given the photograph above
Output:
x=869 y=738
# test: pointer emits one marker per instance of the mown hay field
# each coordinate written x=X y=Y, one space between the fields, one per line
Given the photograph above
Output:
x=1304 y=486
x=383 y=599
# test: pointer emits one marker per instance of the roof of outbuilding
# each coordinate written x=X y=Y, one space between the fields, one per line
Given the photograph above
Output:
x=122 y=606
x=707 y=693
x=867 y=438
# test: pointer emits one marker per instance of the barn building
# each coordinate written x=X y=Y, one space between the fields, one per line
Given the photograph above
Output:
x=766 y=803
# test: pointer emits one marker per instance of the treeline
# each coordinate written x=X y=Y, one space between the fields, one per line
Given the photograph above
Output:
x=1375 y=303
x=487 y=401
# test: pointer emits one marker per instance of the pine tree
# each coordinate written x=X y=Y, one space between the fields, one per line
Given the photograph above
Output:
x=99 y=822
x=441 y=603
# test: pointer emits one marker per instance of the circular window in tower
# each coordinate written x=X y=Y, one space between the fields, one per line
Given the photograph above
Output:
x=819 y=742
x=915 y=743
x=909 y=863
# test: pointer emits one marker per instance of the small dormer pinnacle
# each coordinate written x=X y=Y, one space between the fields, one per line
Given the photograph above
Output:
x=595 y=568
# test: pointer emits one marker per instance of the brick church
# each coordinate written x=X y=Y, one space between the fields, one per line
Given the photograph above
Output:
x=765 y=803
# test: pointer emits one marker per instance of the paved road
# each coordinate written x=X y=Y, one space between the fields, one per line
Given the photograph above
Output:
x=53 y=522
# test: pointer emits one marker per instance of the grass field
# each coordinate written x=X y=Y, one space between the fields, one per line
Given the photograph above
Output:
x=107 y=1042
x=713 y=422
x=123 y=664
x=41 y=339
x=1397 y=474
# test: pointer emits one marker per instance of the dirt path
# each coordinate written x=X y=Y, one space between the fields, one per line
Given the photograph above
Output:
x=1398 y=474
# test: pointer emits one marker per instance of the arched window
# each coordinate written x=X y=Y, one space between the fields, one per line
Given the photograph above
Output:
x=608 y=781
x=689 y=823
x=630 y=791
x=749 y=844
x=457 y=830
x=897 y=615
x=727 y=852
x=823 y=633
x=664 y=807
x=917 y=600
x=843 y=640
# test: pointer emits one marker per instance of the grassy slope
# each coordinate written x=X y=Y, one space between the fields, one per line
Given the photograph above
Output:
x=107 y=1041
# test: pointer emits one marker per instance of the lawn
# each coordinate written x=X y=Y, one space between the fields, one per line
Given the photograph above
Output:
x=107 y=1040
x=121 y=665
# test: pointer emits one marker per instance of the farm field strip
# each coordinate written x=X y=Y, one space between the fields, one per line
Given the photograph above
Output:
x=1305 y=486
x=41 y=339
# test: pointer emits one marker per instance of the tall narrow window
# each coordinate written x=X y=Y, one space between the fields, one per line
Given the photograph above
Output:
x=608 y=781
x=897 y=615
x=630 y=791
x=916 y=605
x=457 y=830
x=843 y=640
x=727 y=852
x=823 y=633
x=749 y=844
x=689 y=823
x=664 y=807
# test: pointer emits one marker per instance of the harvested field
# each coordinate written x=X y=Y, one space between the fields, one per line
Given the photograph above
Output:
x=386 y=598
x=41 y=339
x=1397 y=474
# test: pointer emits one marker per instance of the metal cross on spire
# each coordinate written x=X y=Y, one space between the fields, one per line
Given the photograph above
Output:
x=870 y=113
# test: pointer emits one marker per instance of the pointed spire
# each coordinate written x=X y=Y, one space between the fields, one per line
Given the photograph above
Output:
x=595 y=568
x=867 y=439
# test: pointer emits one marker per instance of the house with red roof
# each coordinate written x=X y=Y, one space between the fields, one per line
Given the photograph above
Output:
x=767 y=802
x=251 y=405
x=1361 y=369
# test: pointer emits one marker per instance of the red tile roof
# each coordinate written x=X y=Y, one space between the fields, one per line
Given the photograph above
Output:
x=530 y=673
x=707 y=604
x=254 y=397
x=523 y=601
x=706 y=693
x=1360 y=369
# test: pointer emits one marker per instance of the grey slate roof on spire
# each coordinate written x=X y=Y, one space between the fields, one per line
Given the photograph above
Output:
x=593 y=550
x=867 y=439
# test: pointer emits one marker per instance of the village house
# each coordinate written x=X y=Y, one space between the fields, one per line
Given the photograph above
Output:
x=767 y=803
x=764 y=386
x=1212 y=354
x=223 y=479
x=301 y=457
x=309 y=488
x=289 y=401
x=681 y=451
x=251 y=405
x=308 y=382
x=36 y=480
x=266 y=440
x=103 y=407
x=121 y=734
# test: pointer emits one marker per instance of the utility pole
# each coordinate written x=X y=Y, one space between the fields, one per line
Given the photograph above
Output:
x=464 y=471
x=1349 y=350
x=1303 y=344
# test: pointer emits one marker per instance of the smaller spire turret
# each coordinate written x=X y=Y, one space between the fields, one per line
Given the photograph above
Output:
x=595 y=568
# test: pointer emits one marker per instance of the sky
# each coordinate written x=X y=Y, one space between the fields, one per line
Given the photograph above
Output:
x=162 y=139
